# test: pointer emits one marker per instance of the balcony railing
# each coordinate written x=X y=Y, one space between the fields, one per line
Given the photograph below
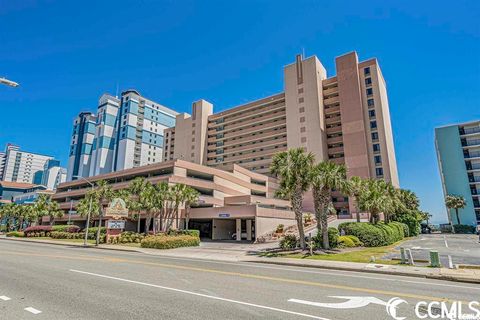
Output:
x=474 y=179
x=469 y=130
x=475 y=166
x=475 y=154
x=475 y=142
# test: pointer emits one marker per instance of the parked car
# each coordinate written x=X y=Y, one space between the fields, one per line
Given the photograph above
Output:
x=426 y=228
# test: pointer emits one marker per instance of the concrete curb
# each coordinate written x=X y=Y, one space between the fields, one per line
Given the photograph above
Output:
x=69 y=244
x=376 y=271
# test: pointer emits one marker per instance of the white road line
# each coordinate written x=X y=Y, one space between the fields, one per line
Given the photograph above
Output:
x=201 y=295
x=445 y=240
x=32 y=310
x=335 y=273
x=4 y=298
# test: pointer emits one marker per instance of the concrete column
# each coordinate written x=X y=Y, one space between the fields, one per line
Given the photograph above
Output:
x=239 y=229
x=249 y=230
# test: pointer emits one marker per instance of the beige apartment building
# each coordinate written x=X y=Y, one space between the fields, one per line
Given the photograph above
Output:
x=343 y=118
x=234 y=203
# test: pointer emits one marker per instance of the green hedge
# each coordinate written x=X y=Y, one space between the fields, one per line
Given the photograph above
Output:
x=345 y=242
x=355 y=240
x=103 y=230
x=130 y=237
x=412 y=223
x=17 y=234
x=463 y=228
x=76 y=235
x=375 y=235
x=169 y=242
x=66 y=228
x=193 y=233
x=333 y=235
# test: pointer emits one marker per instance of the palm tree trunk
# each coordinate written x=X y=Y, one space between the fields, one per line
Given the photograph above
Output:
x=147 y=222
x=357 y=209
x=297 y=208
x=458 y=217
x=138 y=222
x=324 y=218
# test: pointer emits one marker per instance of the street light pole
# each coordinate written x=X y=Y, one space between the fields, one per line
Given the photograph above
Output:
x=89 y=210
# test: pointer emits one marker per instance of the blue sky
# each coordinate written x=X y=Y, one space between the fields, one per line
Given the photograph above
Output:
x=66 y=54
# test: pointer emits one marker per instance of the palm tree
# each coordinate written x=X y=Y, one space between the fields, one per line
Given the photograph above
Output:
x=54 y=211
x=40 y=206
x=8 y=212
x=190 y=197
x=89 y=202
x=375 y=199
x=162 y=195
x=136 y=187
x=357 y=186
x=409 y=199
x=292 y=167
x=104 y=194
x=326 y=176
x=455 y=202
x=147 y=202
x=176 y=199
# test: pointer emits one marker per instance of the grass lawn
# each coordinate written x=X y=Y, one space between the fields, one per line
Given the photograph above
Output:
x=351 y=255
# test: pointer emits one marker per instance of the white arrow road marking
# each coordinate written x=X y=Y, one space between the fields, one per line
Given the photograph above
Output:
x=4 y=298
x=353 y=302
x=201 y=295
x=32 y=310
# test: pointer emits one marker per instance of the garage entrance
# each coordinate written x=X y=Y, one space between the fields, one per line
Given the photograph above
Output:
x=202 y=225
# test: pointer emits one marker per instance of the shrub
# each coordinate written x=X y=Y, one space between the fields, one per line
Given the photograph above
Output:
x=346 y=242
x=412 y=223
x=66 y=228
x=375 y=235
x=16 y=234
x=129 y=237
x=94 y=230
x=193 y=233
x=169 y=242
x=463 y=228
x=38 y=231
x=355 y=240
x=332 y=238
x=290 y=241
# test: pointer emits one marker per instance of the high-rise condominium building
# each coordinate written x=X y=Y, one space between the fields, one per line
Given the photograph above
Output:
x=458 y=152
x=20 y=166
x=125 y=133
x=343 y=118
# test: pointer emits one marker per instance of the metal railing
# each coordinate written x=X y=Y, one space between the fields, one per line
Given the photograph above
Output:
x=469 y=130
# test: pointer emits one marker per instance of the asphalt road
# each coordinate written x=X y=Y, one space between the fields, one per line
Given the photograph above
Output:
x=458 y=248
x=40 y=281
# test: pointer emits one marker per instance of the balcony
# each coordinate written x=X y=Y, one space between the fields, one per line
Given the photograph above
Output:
x=469 y=131
x=473 y=167
x=470 y=155
x=471 y=143
x=474 y=179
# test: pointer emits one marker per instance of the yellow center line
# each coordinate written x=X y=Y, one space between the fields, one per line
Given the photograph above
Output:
x=236 y=274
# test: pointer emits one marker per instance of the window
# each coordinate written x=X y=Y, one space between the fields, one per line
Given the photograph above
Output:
x=300 y=100
x=373 y=124
x=374 y=136
x=376 y=147
x=366 y=71
x=377 y=159
x=302 y=119
x=370 y=102
x=371 y=113
x=379 y=172
x=368 y=81
x=369 y=91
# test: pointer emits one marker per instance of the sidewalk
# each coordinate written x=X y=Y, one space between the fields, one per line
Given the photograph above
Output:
x=460 y=275
x=246 y=253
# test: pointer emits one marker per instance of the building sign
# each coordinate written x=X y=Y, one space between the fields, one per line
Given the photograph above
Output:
x=224 y=215
x=116 y=224
x=117 y=208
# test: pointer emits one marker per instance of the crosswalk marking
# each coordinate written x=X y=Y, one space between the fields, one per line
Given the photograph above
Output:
x=4 y=298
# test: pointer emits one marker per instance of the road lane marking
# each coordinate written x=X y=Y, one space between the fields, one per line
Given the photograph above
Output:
x=4 y=298
x=351 y=303
x=32 y=310
x=445 y=240
x=201 y=295
x=255 y=265
x=253 y=276
x=450 y=262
